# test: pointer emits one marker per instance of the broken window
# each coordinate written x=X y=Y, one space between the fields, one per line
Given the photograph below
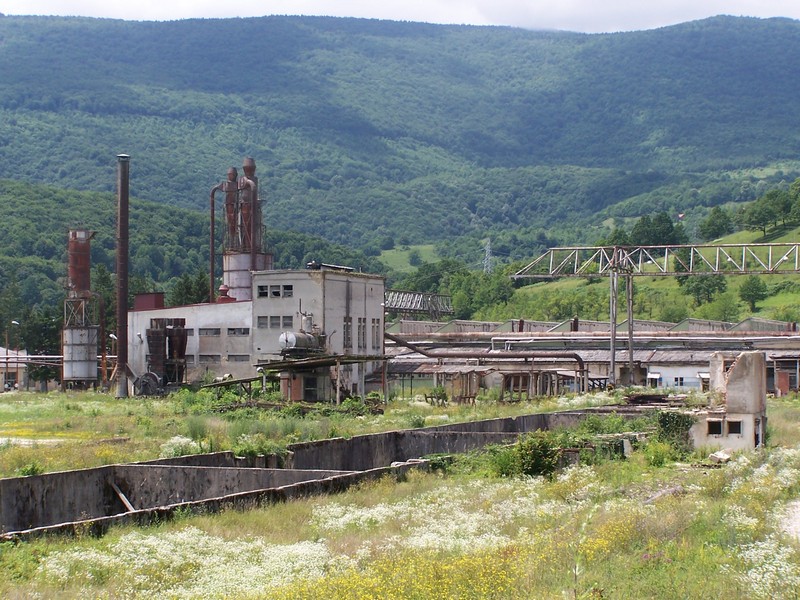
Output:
x=714 y=427
x=347 y=332
x=209 y=359
x=208 y=331
x=238 y=331
x=238 y=358
x=288 y=291
x=263 y=291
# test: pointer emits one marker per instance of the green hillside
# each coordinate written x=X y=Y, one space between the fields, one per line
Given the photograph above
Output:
x=369 y=130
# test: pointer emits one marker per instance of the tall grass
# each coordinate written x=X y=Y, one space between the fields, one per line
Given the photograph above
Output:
x=613 y=529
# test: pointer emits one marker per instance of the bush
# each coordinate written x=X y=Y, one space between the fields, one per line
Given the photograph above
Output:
x=179 y=446
x=658 y=453
x=673 y=429
x=537 y=454
x=355 y=406
x=257 y=444
x=416 y=421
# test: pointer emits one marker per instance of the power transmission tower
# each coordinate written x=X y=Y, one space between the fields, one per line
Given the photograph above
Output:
x=487 y=257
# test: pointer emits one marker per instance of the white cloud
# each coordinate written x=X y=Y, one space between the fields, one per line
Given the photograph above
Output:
x=573 y=15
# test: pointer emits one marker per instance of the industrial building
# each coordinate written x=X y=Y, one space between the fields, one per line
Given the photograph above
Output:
x=321 y=328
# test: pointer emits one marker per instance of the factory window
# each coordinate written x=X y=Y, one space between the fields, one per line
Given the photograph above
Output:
x=734 y=428
x=376 y=334
x=714 y=427
x=275 y=322
x=238 y=358
x=190 y=360
x=263 y=291
x=287 y=322
x=274 y=291
x=189 y=331
x=263 y=322
x=234 y=331
x=362 y=333
x=208 y=331
x=288 y=291
x=347 y=332
x=210 y=359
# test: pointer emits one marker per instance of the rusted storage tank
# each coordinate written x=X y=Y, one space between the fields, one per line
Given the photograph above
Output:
x=79 y=262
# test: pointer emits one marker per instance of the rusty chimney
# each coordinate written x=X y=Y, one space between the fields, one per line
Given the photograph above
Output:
x=123 y=177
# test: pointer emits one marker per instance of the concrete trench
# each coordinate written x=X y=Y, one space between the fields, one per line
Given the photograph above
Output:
x=91 y=500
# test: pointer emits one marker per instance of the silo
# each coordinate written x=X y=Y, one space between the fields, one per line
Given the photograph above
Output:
x=81 y=320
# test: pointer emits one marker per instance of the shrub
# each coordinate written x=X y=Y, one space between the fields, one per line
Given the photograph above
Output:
x=355 y=406
x=673 y=428
x=254 y=445
x=179 y=446
x=537 y=454
x=416 y=421
x=32 y=468
x=658 y=453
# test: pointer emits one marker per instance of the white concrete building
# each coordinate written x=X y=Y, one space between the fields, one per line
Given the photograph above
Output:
x=331 y=315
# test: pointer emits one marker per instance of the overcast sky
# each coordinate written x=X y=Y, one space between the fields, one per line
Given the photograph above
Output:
x=572 y=15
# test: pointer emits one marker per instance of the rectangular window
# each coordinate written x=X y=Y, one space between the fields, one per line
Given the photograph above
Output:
x=288 y=291
x=376 y=334
x=238 y=358
x=208 y=331
x=238 y=331
x=263 y=291
x=362 y=333
x=263 y=322
x=275 y=322
x=210 y=359
x=714 y=427
x=274 y=291
x=189 y=332
x=190 y=360
x=734 y=428
x=347 y=332
x=287 y=322
x=678 y=381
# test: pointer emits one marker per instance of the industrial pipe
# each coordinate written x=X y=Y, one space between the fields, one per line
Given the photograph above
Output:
x=211 y=290
x=503 y=354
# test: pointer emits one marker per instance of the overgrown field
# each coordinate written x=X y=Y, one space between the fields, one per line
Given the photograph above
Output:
x=651 y=526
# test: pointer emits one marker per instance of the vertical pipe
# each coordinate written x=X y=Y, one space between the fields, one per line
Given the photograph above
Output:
x=123 y=177
x=612 y=366
x=212 y=250
x=629 y=297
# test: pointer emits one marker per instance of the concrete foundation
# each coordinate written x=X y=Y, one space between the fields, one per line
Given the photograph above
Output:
x=94 y=499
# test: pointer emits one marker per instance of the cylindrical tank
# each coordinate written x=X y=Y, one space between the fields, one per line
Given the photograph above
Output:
x=237 y=275
x=79 y=262
x=297 y=340
x=80 y=353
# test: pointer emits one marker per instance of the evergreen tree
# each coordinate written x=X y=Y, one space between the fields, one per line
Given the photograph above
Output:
x=753 y=290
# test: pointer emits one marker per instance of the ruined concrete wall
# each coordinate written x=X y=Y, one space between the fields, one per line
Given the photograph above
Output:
x=746 y=389
x=55 y=498
x=151 y=486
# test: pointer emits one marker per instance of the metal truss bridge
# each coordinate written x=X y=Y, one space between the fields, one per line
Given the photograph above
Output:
x=418 y=303
x=657 y=261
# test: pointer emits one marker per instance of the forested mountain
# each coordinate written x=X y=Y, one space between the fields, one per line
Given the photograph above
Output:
x=372 y=132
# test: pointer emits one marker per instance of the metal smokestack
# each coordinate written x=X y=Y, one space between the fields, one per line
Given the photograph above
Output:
x=123 y=177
